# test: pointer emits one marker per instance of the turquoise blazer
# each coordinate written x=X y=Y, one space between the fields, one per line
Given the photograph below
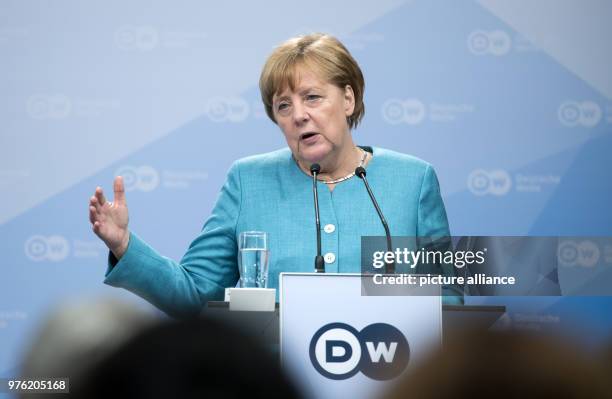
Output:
x=271 y=193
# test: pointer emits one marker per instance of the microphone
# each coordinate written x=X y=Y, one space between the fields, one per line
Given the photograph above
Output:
x=360 y=171
x=315 y=168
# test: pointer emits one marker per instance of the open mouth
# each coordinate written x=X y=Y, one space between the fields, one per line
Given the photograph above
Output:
x=306 y=136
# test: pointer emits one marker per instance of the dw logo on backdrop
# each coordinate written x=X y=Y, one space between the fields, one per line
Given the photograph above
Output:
x=227 y=109
x=56 y=107
x=410 y=111
x=380 y=351
x=54 y=248
x=413 y=111
x=498 y=182
x=495 y=182
x=49 y=106
x=143 y=38
x=584 y=253
x=496 y=42
x=584 y=114
x=144 y=178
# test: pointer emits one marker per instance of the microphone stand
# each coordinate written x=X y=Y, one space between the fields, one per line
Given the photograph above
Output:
x=315 y=168
x=389 y=266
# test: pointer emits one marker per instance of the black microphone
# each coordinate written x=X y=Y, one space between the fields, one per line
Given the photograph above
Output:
x=315 y=168
x=360 y=171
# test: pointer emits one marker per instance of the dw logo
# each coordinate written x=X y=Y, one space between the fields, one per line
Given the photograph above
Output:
x=585 y=114
x=410 y=111
x=583 y=253
x=495 y=182
x=143 y=178
x=142 y=38
x=380 y=351
x=49 y=106
x=53 y=248
x=496 y=42
x=230 y=109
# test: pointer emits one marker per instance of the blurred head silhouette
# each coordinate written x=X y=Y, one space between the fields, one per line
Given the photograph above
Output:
x=188 y=359
x=506 y=365
x=77 y=336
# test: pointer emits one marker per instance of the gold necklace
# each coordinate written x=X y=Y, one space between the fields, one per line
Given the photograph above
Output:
x=335 y=181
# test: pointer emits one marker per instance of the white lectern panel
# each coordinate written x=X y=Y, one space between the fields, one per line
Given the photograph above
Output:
x=337 y=343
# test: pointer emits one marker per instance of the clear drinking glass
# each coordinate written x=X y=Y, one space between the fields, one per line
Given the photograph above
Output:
x=253 y=257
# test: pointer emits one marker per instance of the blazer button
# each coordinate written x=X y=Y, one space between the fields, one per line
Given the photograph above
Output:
x=329 y=257
x=329 y=228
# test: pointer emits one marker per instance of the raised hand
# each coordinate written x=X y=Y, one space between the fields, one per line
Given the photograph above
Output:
x=109 y=220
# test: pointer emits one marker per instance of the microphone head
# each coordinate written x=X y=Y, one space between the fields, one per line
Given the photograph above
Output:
x=360 y=171
x=315 y=168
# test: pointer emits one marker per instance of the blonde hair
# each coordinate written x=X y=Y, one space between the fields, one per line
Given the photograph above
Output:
x=325 y=55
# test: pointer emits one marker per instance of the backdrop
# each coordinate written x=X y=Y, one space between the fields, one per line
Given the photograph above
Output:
x=510 y=101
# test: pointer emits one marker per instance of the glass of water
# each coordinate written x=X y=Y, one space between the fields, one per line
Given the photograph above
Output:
x=253 y=256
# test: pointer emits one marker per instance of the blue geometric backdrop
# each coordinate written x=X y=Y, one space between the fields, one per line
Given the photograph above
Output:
x=512 y=104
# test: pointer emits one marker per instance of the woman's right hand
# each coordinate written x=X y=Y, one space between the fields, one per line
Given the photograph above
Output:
x=109 y=220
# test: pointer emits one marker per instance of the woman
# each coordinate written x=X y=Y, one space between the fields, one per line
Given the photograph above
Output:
x=312 y=88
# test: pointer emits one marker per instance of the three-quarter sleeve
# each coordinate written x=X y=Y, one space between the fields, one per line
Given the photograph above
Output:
x=182 y=288
x=433 y=225
x=432 y=221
